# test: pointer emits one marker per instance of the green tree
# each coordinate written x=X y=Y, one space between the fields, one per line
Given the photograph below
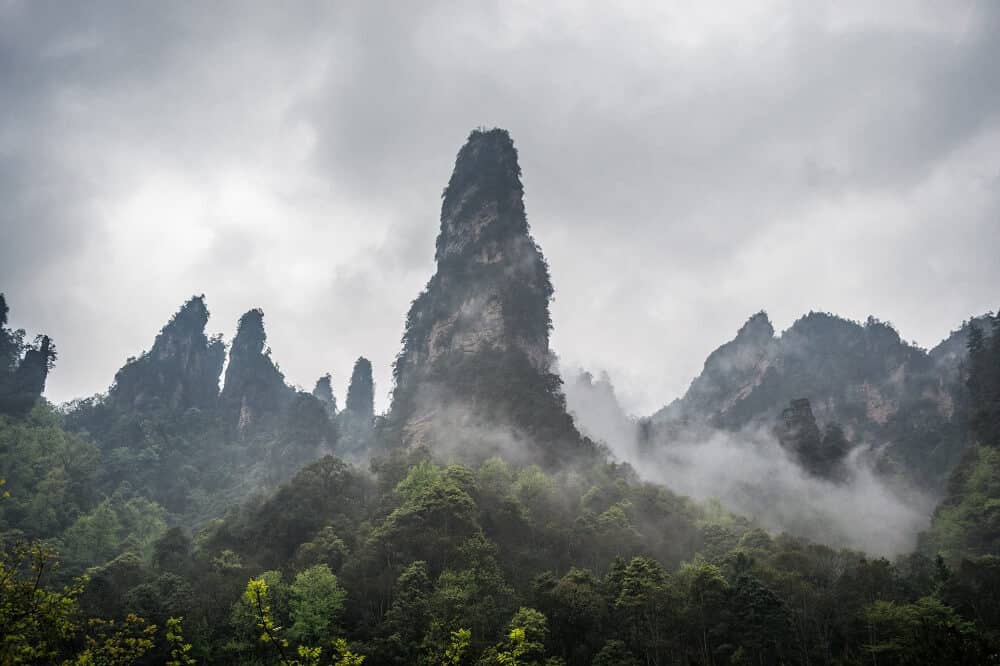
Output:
x=644 y=604
x=317 y=602
x=33 y=618
x=526 y=636
x=924 y=632
x=179 y=650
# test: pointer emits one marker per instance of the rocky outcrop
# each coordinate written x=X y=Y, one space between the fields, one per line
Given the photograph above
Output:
x=798 y=433
x=356 y=423
x=323 y=391
x=23 y=367
x=476 y=344
x=180 y=371
x=884 y=392
x=730 y=373
x=254 y=389
x=361 y=390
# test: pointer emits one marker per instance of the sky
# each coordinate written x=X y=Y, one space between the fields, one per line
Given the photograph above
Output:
x=685 y=165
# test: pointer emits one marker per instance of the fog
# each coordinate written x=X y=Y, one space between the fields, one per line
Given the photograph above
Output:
x=751 y=474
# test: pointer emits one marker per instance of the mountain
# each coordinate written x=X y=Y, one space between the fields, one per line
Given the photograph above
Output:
x=882 y=391
x=23 y=367
x=475 y=356
x=181 y=370
x=323 y=391
x=254 y=389
x=357 y=421
x=165 y=427
x=598 y=414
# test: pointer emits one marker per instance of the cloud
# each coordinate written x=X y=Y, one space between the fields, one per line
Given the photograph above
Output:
x=684 y=167
x=752 y=475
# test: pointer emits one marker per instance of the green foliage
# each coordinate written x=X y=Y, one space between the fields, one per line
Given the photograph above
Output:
x=461 y=639
x=34 y=618
x=983 y=381
x=51 y=475
x=525 y=639
x=114 y=526
x=23 y=367
x=317 y=602
x=967 y=522
x=116 y=643
x=309 y=613
x=95 y=536
x=344 y=655
x=179 y=650
x=923 y=632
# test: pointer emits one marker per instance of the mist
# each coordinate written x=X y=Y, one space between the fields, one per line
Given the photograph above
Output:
x=752 y=475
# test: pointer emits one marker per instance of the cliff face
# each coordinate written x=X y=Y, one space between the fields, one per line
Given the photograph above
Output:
x=254 y=387
x=881 y=390
x=731 y=372
x=180 y=371
x=356 y=423
x=476 y=344
x=323 y=391
x=23 y=367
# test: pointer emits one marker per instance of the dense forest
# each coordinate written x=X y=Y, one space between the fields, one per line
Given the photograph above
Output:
x=492 y=515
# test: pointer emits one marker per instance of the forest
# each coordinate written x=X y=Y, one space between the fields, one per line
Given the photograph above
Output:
x=482 y=519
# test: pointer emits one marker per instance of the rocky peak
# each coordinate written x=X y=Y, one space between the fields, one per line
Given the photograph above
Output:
x=361 y=390
x=254 y=386
x=356 y=421
x=323 y=391
x=491 y=290
x=483 y=206
x=182 y=368
x=484 y=315
x=730 y=372
x=24 y=367
x=757 y=329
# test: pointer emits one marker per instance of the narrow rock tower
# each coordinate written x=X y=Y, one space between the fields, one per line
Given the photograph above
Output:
x=180 y=371
x=476 y=346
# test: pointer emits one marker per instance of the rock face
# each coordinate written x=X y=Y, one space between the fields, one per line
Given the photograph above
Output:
x=356 y=423
x=797 y=432
x=476 y=344
x=731 y=372
x=361 y=390
x=23 y=367
x=881 y=390
x=323 y=391
x=180 y=371
x=255 y=389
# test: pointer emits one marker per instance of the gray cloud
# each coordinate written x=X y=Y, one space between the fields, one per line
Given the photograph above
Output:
x=683 y=167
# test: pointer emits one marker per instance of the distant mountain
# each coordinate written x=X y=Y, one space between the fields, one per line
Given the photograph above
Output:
x=475 y=351
x=882 y=391
x=255 y=389
x=165 y=427
x=181 y=370
x=24 y=367
x=598 y=413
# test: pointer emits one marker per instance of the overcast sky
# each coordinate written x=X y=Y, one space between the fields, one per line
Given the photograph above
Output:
x=684 y=167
